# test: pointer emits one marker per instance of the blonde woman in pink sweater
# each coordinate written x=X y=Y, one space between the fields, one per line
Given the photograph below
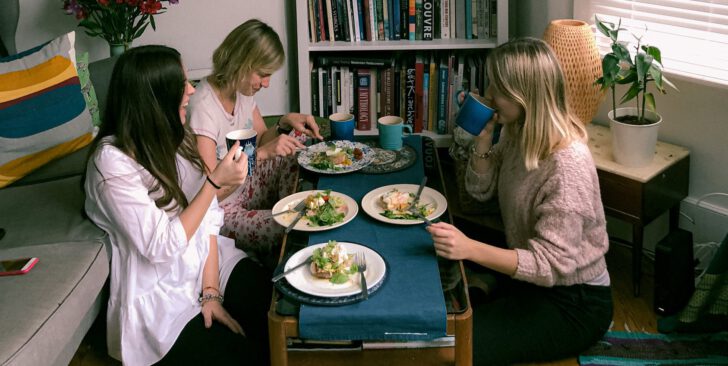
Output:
x=557 y=300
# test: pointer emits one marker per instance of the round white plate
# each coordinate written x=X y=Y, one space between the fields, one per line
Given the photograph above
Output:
x=288 y=203
x=305 y=157
x=371 y=203
x=304 y=281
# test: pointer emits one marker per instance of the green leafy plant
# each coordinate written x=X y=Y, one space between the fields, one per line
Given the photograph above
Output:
x=620 y=67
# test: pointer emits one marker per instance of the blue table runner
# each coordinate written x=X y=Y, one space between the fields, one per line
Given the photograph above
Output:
x=410 y=305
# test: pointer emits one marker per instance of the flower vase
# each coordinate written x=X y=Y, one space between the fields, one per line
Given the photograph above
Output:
x=574 y=45
x=116 y=49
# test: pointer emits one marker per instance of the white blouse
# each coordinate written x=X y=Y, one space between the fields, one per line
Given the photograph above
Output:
x=156 y=273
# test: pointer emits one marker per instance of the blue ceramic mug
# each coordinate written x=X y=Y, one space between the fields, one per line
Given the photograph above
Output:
x=247 y=138
x=474 y=114
x=342 y=126
x=391 y=130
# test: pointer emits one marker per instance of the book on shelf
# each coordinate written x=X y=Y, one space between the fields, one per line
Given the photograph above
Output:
x=432 y=92
x=460 y=19
x=387 y=92
x=374 y=97
x=403 y=19
x=360 y=16
x=321 y=20
x=321 y=92
x=445 y=19
x=373 y=20
x=468 y=18
x=409 y=117
x=493 y=11
x=380 y=19
x=385 y=19
x=425 y=98
x=453 y=18
x=354 y=23
x=418 y=20
x=363 y=86
x=419 y=77
x=343 y=20
x=311 y=23
x=442 y=98
x=428 y=20
x=395 y=19
x=483 y=19
x=412 y=29
x=326 y=91
x=330 y=20
x=474 y=17
x=315 y=103
x=366 y=4
x=361 y=61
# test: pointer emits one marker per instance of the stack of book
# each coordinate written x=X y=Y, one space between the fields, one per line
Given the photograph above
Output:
x=385 y=20
x=424 y=88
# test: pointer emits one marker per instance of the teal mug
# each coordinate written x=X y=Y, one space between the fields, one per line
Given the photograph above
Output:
x=391 y=131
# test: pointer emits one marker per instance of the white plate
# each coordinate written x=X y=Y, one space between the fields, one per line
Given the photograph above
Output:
x=371 y=203
x=304 y=281
x=305 y=157
x=288 y=203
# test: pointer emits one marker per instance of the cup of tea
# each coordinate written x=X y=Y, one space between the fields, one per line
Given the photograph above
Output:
x=342 y=126
x=474 y=114
x=247 y=138
x=391 y=131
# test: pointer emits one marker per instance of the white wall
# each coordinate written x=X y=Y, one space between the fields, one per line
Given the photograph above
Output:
x=194 y=27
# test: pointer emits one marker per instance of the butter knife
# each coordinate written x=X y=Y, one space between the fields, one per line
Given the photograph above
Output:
x=419 y=192
x=297 y=266
x=293 y=223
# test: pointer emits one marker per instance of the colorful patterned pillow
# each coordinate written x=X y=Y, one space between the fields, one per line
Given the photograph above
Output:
x=43 y=114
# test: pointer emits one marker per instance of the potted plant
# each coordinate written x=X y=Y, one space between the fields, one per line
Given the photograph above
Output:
x=634 y=129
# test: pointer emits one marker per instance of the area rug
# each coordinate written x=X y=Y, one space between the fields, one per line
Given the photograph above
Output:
x=627 y=348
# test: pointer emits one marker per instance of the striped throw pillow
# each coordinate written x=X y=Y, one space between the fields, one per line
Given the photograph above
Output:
x=43 y=114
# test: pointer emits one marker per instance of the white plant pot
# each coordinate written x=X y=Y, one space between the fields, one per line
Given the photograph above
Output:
x=634 y=145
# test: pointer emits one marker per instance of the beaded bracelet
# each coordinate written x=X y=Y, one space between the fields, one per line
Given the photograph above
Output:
x=484 y=155
x=210 y=297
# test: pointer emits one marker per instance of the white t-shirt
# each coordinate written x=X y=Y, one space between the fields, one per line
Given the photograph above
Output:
x=156 y=273
x=209 y=118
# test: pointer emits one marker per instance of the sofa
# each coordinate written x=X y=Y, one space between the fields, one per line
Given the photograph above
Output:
x=45 y=313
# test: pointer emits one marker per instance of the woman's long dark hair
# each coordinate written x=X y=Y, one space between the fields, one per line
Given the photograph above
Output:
x=145 y=93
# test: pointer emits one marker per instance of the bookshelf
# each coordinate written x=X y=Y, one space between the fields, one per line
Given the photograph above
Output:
x=308 y=50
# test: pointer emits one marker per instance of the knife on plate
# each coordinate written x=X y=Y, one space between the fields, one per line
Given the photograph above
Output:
x=419 y=192
x=293 y=223
x=297 y=266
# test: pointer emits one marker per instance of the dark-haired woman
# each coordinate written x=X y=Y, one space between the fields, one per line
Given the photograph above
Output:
x=148 y=189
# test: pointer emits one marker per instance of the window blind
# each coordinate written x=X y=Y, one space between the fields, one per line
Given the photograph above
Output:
x=692 y=34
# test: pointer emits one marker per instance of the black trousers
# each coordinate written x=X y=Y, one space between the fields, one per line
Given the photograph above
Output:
x=247 y=297
x=522 y=322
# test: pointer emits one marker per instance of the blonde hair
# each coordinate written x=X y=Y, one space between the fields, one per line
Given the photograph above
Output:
x=252 y=46
x=527 y=71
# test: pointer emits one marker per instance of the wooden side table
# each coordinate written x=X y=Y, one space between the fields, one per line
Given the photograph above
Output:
x=640 y=195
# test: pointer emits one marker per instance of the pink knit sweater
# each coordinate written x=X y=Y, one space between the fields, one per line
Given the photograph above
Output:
x=553 y=216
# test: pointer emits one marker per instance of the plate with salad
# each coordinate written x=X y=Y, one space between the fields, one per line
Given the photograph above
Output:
x=332 y=271
x=323 y=210
x=336 y=157
x=391 y=204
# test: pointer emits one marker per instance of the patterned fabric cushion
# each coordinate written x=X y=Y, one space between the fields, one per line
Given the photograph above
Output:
x=87 y=88
x=43 y=114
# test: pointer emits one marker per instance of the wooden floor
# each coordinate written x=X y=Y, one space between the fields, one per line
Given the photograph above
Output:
x=630 y=313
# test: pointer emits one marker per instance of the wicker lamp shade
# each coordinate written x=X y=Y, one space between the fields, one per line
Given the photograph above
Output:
x=574 y=45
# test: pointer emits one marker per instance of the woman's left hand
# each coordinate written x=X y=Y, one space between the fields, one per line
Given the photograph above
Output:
x=304 y=123
x=450 y=243
x=213 y=310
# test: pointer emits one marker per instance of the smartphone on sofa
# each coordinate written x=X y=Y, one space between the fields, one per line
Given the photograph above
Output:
x=9 y=267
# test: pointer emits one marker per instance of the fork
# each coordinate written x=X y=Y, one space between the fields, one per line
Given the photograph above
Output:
x=361 y=266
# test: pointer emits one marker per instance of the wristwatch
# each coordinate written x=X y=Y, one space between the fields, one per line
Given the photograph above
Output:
x=281 y=130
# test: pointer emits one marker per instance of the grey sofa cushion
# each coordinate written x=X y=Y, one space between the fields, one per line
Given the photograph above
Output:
x=46 y=312
x=67 y=166
x=47 y=212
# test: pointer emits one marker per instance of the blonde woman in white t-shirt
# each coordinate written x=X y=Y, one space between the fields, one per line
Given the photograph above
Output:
x=242 y=66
